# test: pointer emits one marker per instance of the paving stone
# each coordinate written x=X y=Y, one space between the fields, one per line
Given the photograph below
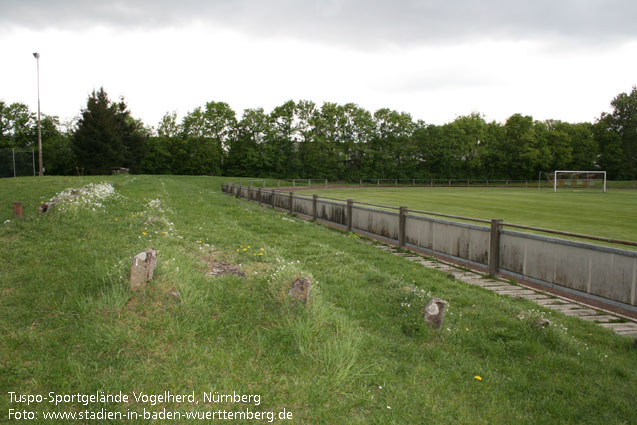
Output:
x=469 y=276
x=600 y=318
x=473 y=276
x=621 y=327
x=485 y=283
x=550 y=301
x=501 y=288
x=535 y=297
x=630 y=333
x=562 y=307
x=446 y=268
x=517 y=293
x=580 y=312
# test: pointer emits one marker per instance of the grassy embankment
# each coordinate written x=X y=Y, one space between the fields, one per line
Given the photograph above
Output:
x=358 y=353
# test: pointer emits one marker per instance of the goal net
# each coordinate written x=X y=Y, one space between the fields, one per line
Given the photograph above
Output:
x=578 y=179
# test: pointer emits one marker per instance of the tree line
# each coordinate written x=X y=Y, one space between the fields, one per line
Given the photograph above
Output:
x=338 y=142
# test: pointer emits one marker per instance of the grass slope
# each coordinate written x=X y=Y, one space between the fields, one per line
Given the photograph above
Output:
x=358 y=353
x=610 y=214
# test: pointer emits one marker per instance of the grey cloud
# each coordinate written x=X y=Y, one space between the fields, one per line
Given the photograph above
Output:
x=348 y=22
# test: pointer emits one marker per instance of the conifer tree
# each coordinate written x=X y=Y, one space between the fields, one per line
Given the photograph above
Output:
x=106 y=136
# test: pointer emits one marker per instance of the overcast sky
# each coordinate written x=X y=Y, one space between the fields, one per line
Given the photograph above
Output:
x=435 y=59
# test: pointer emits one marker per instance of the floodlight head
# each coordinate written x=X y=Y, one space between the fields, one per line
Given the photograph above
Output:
x=36 y=55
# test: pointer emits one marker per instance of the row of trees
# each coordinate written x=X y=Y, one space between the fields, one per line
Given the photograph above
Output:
x=304 y=140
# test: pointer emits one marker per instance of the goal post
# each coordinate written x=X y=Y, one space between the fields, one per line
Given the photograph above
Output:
x=578 y=178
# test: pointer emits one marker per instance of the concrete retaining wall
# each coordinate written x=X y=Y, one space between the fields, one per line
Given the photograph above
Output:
x=458 y=240
x=376 y=222
x=605 y=272
x=587 y=269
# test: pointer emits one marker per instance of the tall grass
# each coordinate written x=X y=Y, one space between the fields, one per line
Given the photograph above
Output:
x=358 y=352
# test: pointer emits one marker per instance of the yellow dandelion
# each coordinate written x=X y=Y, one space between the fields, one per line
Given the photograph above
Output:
x=249 y=247
x=260 y=254
x=262 y=249
x=245 y=249
x=240 y=246
x=144 y=233
x=478 y=377
x=254 y=255
x=163 y=233
x=237 y=250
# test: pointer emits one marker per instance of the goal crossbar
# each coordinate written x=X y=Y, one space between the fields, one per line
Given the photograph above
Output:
x=556 y=172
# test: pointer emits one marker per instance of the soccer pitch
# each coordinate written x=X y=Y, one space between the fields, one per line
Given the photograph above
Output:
x=612 y=214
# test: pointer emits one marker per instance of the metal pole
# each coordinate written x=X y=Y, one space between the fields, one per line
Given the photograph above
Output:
x=37 y=59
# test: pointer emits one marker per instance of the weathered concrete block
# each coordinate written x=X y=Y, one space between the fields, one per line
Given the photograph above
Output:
x=300 y=290
x=142 y=268
x=435 y=312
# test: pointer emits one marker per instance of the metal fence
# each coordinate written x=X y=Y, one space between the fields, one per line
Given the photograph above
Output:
x=324 y=183
x=603 y=273
x=17 y=162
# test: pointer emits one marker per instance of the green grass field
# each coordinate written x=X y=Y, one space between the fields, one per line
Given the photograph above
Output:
x=359 y=353
x=612 y=214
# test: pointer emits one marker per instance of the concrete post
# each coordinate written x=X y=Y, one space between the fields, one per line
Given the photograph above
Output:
x=314 y=207
x=291 y=202
x=494 y=247
x=239 y=191
x=259 y=196
x=402 y=225
x=349 y=214
x=250 y=191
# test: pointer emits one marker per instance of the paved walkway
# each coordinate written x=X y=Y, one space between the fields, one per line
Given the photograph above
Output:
x=622 y=326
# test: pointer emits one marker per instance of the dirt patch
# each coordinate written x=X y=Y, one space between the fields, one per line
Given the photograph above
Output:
x=221 y=269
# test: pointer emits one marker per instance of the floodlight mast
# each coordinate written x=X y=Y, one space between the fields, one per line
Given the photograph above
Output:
x=36 y=55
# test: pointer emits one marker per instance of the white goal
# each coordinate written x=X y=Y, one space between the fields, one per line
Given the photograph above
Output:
x=578 y=179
